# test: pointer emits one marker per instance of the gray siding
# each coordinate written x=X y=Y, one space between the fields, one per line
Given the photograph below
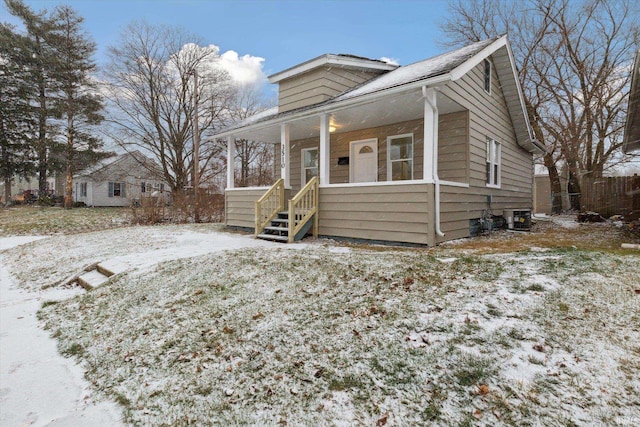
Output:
x=453 y=147
x=318 y=85
x=340 y=143
x=240 y=206
x=488 y=116
x=395 y=213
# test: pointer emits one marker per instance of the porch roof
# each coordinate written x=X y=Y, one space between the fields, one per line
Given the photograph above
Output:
x=434 y=71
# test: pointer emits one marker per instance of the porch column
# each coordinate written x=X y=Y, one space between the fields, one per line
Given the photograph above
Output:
x=324 y=152
x=231 y=164
x=430 y=133
x=285 y=167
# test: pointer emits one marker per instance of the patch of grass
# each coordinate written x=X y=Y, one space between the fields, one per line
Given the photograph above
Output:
x=471 y=369
x=122 y=400
x=37 y=220
x=536 y=287
x=49 y=303
x=493 y=311
x=75 y=349
x=345 y=383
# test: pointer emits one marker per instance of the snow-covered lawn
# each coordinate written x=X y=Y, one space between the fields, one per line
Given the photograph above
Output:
x=206 y=327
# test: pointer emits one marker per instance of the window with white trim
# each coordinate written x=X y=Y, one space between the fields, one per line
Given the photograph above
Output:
x=400 y=157
x=116 y=189
x=309 y=164
x=493 y=162
x=83 y=189
x=487 y=76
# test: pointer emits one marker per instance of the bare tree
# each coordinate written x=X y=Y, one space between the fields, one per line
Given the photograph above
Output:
x=151 y=86
x=573 y=59
x=255 y=157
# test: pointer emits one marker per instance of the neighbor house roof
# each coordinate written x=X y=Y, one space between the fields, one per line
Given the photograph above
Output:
x=106 y=163
x=449 y=66
x=631 y=140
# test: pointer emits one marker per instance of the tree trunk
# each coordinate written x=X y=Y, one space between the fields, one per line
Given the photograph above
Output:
x=42 y=142
x=556 y=188
x=68 y=189
x=7 y=178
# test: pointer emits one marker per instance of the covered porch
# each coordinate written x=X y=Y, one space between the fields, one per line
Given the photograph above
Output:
x=379 y=164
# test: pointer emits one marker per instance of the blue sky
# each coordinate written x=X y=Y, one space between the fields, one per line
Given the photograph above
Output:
x=284 y=33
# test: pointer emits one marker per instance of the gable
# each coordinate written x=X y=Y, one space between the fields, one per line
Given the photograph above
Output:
x=632 y=126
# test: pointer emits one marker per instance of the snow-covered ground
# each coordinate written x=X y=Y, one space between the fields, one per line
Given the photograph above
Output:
x=204 y=327
x=38 y=386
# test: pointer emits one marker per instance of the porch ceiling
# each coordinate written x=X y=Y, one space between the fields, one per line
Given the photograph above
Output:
x=392 y=109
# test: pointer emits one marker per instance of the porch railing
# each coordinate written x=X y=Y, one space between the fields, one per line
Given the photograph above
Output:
x=268 y=206
x=303 y=207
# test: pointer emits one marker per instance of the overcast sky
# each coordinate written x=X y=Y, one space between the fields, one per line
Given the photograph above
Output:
x=259 y=38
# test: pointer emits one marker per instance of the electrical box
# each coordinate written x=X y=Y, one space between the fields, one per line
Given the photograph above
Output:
x=518 y=219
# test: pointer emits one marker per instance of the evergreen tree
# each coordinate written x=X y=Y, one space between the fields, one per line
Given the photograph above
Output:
x=17 y=124
x=43 y=64
x=78 y=102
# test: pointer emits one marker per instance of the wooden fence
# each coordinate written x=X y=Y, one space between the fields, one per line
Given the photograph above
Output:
x=619 y=195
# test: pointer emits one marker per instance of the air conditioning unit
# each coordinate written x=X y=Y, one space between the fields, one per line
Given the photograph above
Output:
x=518 y=219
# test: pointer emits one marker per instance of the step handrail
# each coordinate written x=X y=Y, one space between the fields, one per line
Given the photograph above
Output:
x=305 y=205
x=268 y=206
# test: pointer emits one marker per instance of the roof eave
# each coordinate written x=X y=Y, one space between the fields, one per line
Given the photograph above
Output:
x=351 y=102
x=330 y=59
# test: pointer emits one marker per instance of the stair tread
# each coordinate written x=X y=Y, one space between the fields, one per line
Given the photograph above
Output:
x=280 y=220
x=273 y=237
x=274 y=228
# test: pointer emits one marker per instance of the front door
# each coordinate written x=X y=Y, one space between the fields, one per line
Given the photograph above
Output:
x=364 y=161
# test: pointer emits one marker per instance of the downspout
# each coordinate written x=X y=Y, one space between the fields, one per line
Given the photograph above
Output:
x=434 y=159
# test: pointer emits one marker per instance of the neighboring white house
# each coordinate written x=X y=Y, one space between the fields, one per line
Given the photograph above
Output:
x=118 y=181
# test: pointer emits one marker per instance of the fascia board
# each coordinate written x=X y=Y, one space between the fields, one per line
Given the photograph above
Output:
x=330 y=59
x=476 y=59
x=353 y=102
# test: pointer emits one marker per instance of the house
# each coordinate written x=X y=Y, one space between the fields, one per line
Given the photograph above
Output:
x=118 y=181
x=20 y=185
x=631 y=140
x=418 y=154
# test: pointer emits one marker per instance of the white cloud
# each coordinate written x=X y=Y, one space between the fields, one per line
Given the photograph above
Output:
x=391 y=61
x=246 y=70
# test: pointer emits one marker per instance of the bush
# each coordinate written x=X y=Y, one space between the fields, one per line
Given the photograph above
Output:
x=179 y=209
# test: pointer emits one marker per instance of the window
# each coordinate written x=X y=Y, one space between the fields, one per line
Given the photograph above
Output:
x=116 y=189
x=309 y=164
x=487 y=76
x=83 y=189
x=400 y=157
x=143 y=188
x=493 y=163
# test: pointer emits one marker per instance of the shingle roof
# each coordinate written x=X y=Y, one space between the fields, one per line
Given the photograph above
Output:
x=421 y=70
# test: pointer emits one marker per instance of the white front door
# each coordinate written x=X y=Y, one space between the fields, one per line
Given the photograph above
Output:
x=364 y=161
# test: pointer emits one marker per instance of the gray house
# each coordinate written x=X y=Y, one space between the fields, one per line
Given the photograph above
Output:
x=420 y=154
x=632 y=128
x=118 y=181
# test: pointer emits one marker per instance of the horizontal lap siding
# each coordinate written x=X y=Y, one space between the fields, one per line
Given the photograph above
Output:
x=453 y=147
x=339 y=147
x=488 y=116
x=240 y=207
x=318 y=85
x=397 y=213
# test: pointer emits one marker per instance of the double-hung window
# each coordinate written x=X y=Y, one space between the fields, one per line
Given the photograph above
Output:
x=83 y=189
x=309 y=164
x=400 y=157
x=493 y=163
x=116 y=189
